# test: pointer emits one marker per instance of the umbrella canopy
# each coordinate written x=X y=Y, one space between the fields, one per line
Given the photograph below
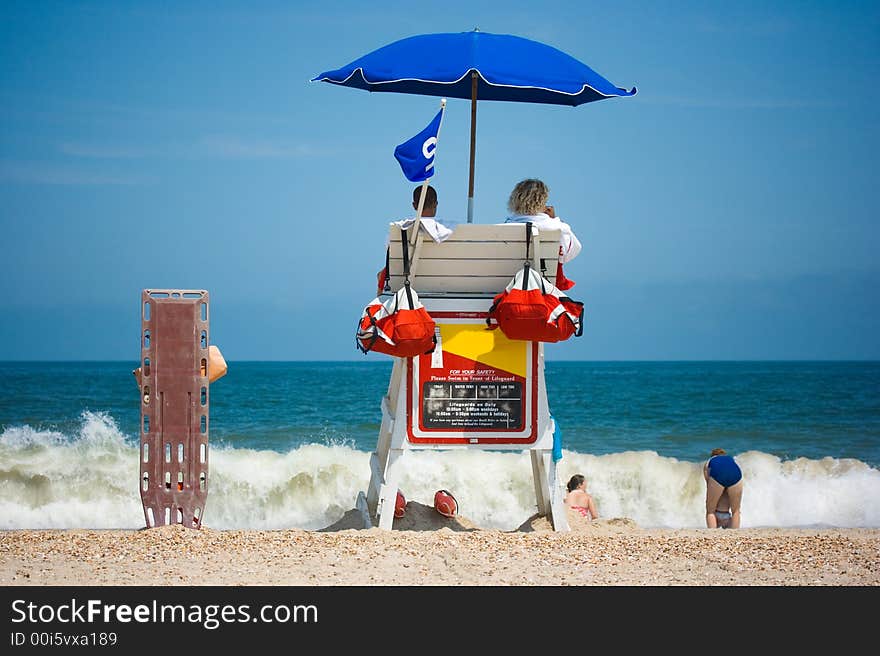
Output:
x=476 y=65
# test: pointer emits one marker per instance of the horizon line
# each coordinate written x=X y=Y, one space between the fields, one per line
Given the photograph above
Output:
x=390 y=361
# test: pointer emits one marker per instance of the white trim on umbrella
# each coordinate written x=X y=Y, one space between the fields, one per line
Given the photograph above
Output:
x=467 y=73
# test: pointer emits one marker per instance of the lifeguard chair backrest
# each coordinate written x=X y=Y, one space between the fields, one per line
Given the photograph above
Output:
x=475 y=261
x=174 y=386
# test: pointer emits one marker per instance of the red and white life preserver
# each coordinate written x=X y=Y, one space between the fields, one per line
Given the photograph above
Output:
x=400 y=327
x=531 y=308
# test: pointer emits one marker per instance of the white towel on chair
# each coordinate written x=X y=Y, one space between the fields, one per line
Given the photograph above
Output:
x=436 y=230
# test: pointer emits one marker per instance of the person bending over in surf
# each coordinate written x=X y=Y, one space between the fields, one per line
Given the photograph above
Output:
x=724 y=481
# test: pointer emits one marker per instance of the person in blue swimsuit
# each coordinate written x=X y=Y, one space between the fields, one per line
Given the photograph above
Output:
x=724 y=488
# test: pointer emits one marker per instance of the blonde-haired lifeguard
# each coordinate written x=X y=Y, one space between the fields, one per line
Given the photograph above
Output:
x=528 y=203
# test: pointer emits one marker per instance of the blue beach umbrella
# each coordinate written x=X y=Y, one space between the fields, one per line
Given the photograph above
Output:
x=476 y=65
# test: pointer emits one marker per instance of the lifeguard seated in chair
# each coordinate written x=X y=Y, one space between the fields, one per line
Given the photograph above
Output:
x=488 y=253
x=437 y=229
x=528 y=203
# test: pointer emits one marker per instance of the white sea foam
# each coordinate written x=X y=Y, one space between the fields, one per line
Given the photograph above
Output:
x=90 y=480
x=655 y=491
x=49 y=480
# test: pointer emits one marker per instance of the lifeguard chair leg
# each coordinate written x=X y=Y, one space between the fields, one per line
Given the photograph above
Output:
x=539 y=476
x=379 y=458
x=174 y=406
x=547 y=491
x=388 y=491
x=368 y=503
x=557 y=506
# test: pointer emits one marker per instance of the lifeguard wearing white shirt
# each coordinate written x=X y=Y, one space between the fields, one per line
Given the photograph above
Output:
x=528 y=203
x=436 y=229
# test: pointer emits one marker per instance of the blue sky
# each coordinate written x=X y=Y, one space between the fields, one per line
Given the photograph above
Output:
x=726 y=211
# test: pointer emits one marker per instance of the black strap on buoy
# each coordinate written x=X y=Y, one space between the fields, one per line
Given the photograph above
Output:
x=387 y=286
x=528 y=262
x=404 y=241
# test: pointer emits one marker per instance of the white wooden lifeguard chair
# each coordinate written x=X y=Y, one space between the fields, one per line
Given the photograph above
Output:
x=478 y=389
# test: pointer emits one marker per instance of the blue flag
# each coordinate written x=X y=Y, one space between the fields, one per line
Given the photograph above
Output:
x=416 y=156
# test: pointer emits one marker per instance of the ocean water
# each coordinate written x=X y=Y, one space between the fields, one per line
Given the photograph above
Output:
x=291 y=442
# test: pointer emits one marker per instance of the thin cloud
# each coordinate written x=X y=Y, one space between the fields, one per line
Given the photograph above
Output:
x=98 y=109
x=214 y=146
x=110 y=151
x=239 y=148
x=54 y=109
x=761 y=27
x=48 y=174
x=738 y=103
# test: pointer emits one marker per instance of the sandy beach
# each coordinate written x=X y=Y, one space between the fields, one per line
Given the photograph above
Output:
x=427 y=549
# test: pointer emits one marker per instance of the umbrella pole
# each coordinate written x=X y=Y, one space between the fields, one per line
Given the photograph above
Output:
x=470 y=210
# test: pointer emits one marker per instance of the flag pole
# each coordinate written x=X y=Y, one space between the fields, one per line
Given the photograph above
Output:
x=418 y=220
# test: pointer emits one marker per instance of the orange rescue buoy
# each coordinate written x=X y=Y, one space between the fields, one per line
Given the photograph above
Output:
x=400 y=505
x=445 y=503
